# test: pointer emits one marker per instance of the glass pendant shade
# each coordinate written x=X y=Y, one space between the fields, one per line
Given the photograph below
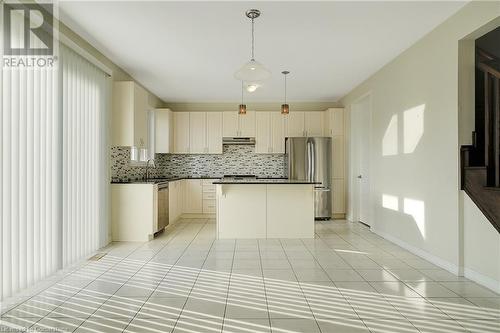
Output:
x=242 y=109
x=285 y=109
x=252 y=71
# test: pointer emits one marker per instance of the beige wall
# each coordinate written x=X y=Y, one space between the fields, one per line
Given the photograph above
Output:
x=421 y=82
x=118 y=74
x=481 y=246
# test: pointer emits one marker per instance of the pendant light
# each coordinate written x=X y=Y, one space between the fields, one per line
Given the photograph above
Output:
x=243 y=107
x=285 y=108
x=253 y=70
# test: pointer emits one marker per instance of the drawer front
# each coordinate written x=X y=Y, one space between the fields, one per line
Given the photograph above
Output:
x=208 y=206
x=209 y=188
x=208 y=182
x=208 y=195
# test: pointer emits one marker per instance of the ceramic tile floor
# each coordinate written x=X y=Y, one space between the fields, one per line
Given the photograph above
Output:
x=345 y=280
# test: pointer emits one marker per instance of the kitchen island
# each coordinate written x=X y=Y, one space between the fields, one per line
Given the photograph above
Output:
x=264 y=208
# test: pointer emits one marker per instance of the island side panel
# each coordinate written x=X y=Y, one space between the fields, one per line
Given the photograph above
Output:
x=241 y=211
x=290 y=211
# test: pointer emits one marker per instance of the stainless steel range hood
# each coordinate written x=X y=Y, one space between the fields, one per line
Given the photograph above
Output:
x=238 y=141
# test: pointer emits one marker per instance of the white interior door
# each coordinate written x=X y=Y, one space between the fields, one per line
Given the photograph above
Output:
x=360 y=154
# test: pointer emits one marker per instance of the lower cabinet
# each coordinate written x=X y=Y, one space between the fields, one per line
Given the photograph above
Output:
x=199 y=196
x=133 y=212
x=338 y=197
x=175 y=200
x=193 y=199
x=208 y=196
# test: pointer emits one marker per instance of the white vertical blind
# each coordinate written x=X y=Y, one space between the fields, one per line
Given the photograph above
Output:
x=29 y=173
x=53 y=168
x=85 y=91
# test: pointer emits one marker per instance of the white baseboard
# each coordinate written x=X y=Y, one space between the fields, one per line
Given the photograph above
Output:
x=197 y=216
x=485 y=281
x=450 y=267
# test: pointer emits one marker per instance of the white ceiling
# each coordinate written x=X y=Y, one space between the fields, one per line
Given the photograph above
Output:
x=188 y=51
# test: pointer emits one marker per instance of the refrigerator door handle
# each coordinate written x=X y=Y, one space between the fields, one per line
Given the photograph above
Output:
x=309 y=162
x=314 y=172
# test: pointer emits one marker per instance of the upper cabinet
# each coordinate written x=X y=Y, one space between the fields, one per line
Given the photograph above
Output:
x=181 y=132
x=304 y=124
x=164 y=134
x=197 y=132
x=270 y=133
x=214 y=132
x=236 y=125
x=334 y=122
x=129 y=115
x=295 y=124
x=263 y=132
x=277 y=133
x=313 y=123
x=230 y=124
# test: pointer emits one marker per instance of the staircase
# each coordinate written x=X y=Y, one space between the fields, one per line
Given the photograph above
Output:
x=480 y=162
x=475 y=184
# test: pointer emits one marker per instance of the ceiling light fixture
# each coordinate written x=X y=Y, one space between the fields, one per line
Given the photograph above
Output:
x=242 y=108
x=252 y=71
x=285 y=108
x=252 y=87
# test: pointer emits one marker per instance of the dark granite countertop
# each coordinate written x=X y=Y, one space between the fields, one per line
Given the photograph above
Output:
x=264 y=181
x=158 y=180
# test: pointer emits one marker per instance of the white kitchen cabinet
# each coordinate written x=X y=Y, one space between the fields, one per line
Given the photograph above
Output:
x=269 y=133
x=129 y=115
x=164 y=134
x=334 y=122
x=313 y=123
x=197 y=132
x=236 y=125
x=193 y=196
x=277 y=133
x=334 y=128
x=304 y=124
x=175 y=200
x=134 y=213
x=263 y=140
x=338 y=197
x=214 y=133
x=295 y=124
x=230 y=124
x=173 y=197
x=338 y=157
x=208 y=189
x=247 y=124
x=181 y=132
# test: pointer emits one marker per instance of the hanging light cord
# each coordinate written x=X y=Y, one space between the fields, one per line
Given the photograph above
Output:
x=241 y=92
x=253 y=40
x=285 y=88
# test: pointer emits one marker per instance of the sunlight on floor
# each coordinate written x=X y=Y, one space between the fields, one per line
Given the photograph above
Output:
x=345 y=280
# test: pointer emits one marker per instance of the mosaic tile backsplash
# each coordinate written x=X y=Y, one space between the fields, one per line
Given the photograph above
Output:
x=235 y=159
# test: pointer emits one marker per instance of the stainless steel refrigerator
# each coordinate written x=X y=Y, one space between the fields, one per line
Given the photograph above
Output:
x=311 y=159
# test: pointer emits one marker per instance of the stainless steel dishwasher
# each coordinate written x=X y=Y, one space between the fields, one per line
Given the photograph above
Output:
x=162 y=206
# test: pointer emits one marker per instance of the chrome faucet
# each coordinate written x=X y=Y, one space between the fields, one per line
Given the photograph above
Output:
x=146 y=176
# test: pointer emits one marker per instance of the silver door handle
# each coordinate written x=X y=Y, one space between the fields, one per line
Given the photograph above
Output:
x=321 y=189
